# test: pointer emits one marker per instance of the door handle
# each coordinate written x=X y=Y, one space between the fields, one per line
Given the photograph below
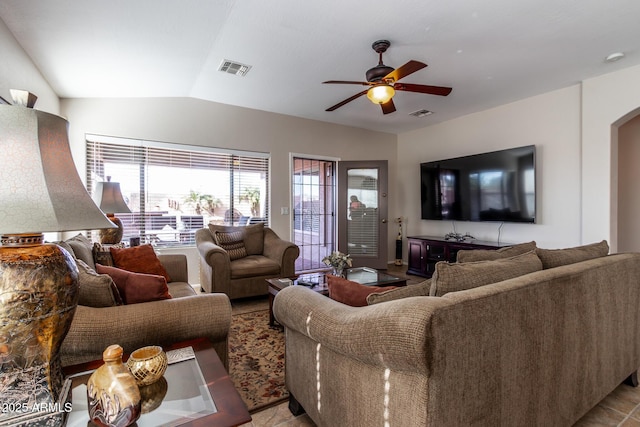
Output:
x=384 y=220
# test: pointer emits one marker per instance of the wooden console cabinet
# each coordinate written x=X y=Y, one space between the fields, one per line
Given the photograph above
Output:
x=426 y=251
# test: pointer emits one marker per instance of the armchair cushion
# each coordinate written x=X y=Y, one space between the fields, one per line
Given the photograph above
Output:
x=252 y=236
x=139 y=259
x=350 y=292
x=137 y=287
x=96 y=290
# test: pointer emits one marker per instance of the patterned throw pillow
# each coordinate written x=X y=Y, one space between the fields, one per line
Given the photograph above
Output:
x=232 y=242
x=461 y=276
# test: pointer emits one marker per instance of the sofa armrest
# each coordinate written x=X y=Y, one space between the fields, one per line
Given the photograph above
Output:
x=152 y=323
x=282 y=251
x=176 y=266
x=393 y=334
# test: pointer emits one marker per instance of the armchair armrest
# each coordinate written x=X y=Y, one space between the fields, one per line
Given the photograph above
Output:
x=282 y=251
x=151 y=323
x=393 y=334
x=215 y=264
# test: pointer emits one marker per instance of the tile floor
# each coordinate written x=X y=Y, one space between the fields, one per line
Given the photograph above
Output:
x=620 y=408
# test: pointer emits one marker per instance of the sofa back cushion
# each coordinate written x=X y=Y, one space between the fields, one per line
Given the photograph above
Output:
x=557 y=257
x=419 y=290
x=82 y=249
x=139 y=259
x=350 y=292
x=137 y=287
x=453 y=277
x=473 y=255
x=252 y=237
x=96 y=290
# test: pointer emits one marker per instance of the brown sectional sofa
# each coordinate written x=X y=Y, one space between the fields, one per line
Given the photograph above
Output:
x=186 y=316
x=538 y=349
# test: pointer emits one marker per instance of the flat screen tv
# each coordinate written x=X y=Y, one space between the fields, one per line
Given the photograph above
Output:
x=495 y=186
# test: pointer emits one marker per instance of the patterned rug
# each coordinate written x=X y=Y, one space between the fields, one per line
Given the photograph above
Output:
x=256 y=360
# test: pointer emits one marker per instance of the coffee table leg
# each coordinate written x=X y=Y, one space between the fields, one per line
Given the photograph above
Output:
x=272 y=319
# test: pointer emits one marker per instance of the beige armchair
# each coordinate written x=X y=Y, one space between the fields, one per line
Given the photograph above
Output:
x=267 y=256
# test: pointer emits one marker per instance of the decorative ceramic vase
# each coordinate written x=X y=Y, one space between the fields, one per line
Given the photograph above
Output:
x=338 y=271
x=147 y=364
x=113 y=396
x=38 y=297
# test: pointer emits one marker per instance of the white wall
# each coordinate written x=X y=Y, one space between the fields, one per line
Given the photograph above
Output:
x=550 y=121
x=197 y=122
x=17 y=71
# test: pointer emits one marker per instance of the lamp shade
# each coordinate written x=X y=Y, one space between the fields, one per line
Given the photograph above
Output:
x=109 y=199
x=381 y=94
x=40 y=189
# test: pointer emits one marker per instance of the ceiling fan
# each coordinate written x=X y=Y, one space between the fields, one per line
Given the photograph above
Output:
x=383 y=82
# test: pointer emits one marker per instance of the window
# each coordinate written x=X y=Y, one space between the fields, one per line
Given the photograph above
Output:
x=173 y=190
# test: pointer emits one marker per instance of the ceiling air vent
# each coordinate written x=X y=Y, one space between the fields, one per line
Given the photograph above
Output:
x=421 y=113
x=235 y=68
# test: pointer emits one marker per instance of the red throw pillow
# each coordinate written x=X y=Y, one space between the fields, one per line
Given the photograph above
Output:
x=351 y=293
x=139 y=259
x=136 y=287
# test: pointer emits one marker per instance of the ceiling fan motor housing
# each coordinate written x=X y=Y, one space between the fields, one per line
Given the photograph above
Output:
x=376 y=73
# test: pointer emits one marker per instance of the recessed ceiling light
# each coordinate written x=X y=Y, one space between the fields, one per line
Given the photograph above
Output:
x=616 y=56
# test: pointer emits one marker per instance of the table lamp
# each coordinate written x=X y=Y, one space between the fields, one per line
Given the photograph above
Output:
x=109 y=199
x=40 y=191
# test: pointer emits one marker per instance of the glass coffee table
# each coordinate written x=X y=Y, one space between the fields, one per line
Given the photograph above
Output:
x=317 y=281
x=194 y=391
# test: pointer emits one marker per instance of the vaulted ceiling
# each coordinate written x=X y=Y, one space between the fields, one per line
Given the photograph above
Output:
x=491 y=52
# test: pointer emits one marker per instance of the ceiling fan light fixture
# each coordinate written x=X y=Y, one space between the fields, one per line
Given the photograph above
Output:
x=381 y=94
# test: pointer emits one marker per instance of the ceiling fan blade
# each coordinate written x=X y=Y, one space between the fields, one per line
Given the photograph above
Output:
x=346 y=101
x=431 y=90
x=388 y=107
x=346 y=82
x=403 y=71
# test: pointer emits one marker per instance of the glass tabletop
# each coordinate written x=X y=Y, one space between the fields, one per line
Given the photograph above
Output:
x=179 y=396
x=363 y=275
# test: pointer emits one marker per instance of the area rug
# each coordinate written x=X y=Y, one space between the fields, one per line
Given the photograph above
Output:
x=256 y=360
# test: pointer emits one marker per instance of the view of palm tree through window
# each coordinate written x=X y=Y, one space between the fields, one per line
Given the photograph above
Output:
x=174 y=190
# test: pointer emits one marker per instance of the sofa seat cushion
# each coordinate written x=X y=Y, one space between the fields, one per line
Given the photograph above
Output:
x=557 y=257
x=181 y=289
x=350 y=292
x=472 y=255
x=254 y=265
x=461 y=276
x=135 y=288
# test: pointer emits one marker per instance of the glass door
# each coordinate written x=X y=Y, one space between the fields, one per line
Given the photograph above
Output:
x=362 y=212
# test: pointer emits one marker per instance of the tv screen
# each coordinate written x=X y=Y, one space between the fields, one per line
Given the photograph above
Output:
x=495 y=186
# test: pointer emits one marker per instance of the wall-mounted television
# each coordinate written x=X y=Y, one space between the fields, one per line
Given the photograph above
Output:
x=495 y=186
